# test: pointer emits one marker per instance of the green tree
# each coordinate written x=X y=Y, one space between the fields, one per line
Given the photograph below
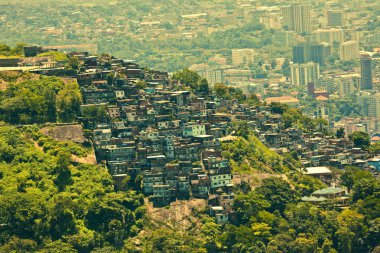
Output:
x=374 y=149
x=278 y=192
x=16 y=244
x=72 y=64
x=345 y=237
x=63 y=170
x=306 y=185
x=249 y=205
x=188 y=77
x=110 y=78
x=365 y=187
x=353 y=174
x=241 y=129
x=220 y=89
x=340 y=133
x=58 y=247
x=30 y=101
x=278 y=108
x=203 y=86
x=374 y=232
x=210 y=233
x=62 y=221
x=286 y=67
x=69 y=100
x=304 y=245
x=360 y=139
x=261 y=230
x=352 y=231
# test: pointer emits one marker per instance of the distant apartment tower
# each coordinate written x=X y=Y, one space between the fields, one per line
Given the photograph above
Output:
x=335 y=18
x=310 y=88
x=212 y=76
x=366 y=72
x=303 y=74
x=297 y=17
x=347 y=84
x=369 y=104
x=328 y=35
x=349 y=50
x=327 y=83
x=372 y=38
x=315 y=52
x=242 y=57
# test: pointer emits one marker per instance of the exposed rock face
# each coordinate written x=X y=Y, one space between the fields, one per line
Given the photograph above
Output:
x=72 y=133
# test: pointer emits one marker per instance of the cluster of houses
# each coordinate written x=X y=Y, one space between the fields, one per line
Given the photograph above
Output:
x=168 y=139
x=314 y=149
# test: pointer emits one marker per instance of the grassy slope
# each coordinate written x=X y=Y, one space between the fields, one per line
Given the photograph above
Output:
x=251 y=155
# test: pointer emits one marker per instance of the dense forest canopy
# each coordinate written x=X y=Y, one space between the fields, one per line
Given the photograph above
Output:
x=48 y=204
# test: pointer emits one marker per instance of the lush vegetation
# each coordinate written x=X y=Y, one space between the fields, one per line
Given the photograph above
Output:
x=54 y=147
x=192 y=80
x=293 y=117
x=49 y=205
x=250 y=155
x=39 y=99
x=271 y=218
x=57 y=56
x=8 y=51
x=360 y=139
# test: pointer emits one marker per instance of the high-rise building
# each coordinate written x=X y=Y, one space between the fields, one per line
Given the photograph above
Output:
x=302 y=74
x=372 y=38
x=347 y=84
x=327 y=83
x=242 y=57
x=319 y=52
x=366 y=72
x=297 y=17
x=335 y=18
x=349 y=50
x=212 y=76
x=300 y=53
x=370 y=105
x=315 y=52
x=328 y=35
x=310 y=88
